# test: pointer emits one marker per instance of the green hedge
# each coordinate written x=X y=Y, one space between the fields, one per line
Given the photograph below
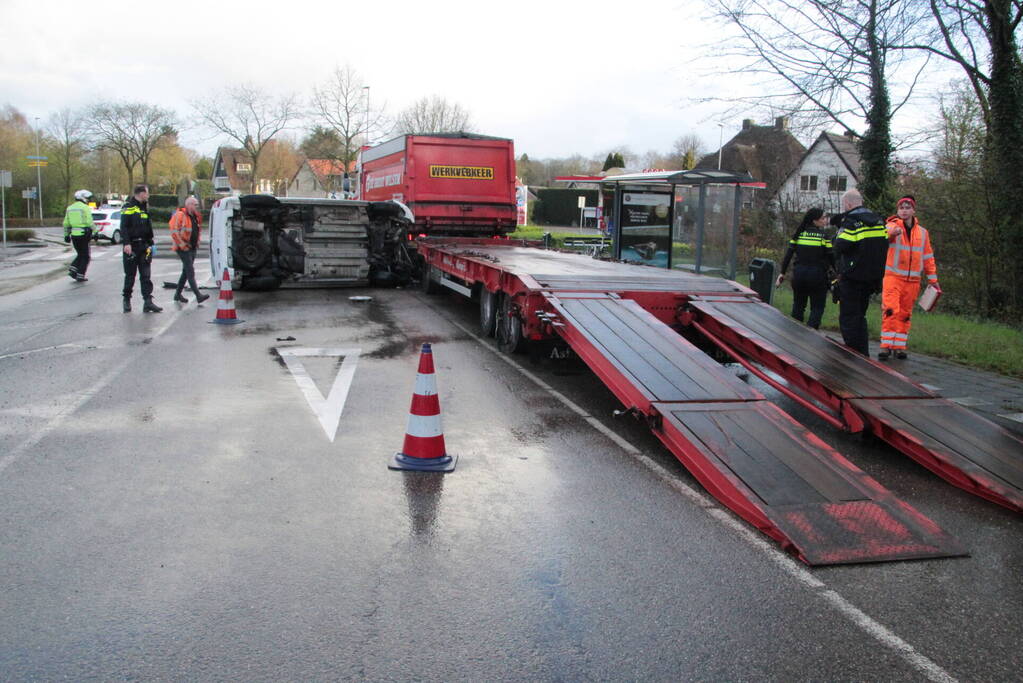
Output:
x=168 y=201
x=558 y=206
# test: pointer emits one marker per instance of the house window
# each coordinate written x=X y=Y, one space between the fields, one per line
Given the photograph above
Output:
x=243 y=168
x=836 y=183
x=808 y=183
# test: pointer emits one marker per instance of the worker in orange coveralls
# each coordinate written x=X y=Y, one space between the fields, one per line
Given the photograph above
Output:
x=909 y=257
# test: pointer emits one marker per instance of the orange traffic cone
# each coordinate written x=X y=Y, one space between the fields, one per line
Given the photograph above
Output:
x=424 y=437
x=225 y=304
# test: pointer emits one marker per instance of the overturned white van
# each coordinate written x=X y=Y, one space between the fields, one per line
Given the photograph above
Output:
x=266 y=242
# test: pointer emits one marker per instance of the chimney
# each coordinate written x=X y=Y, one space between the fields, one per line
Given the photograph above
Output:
x=747 y=124
x=781 y=123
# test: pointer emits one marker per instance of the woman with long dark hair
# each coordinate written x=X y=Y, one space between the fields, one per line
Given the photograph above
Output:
x=811 y=248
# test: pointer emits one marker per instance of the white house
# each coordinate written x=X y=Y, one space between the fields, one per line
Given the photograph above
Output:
x=828 y=168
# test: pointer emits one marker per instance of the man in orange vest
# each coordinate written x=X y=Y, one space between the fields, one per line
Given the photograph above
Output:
x=185 y=226
x=909 y=257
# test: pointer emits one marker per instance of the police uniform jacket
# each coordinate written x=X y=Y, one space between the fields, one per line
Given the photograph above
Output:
x=861 y=246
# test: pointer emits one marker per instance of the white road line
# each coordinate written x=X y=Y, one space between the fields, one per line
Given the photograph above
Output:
x=327 y=410
x=867 y=624
x=15 y=453
x=45 y=348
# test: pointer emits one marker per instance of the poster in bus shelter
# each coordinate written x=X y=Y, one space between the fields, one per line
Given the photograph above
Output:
x=646 y=228
x=521 y=204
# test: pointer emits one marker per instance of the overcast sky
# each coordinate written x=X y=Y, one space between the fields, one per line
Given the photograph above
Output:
x=560 y=77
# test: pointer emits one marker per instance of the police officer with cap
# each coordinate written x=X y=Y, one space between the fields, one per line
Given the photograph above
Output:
x=78 y=231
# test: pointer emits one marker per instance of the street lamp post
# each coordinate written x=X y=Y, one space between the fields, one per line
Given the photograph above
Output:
x=721 y=137
x=39 y=175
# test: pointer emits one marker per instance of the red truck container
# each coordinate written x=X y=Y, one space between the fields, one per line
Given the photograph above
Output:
x=455 y=184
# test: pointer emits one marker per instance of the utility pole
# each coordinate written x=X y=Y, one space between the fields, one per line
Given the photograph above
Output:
x=39 y=176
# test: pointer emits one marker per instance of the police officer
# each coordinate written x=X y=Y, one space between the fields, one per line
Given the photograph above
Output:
x=861 y=248
x=138 y=249
x=78 y=230
x=814 y=261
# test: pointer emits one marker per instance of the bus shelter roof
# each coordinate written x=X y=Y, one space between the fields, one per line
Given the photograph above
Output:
x=692 y=177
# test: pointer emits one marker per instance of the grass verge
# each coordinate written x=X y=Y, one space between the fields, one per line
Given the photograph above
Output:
x=975 y=343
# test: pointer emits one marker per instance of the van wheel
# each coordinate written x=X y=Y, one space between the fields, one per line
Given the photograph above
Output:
x=116 y=237
x=426 y=280
x=488 y=312
x=252 y=252
x=509 y=327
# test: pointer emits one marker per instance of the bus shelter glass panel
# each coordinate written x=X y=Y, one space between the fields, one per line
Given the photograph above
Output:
x=645 y=235
x=684 y=237
x=718 y=230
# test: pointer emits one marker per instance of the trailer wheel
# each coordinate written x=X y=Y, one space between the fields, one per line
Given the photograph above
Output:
x=426 y=279
x=488 y=312
x=509 y=327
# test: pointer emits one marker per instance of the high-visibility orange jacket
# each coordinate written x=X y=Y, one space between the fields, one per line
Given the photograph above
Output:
x=910 y=254
x=180 y=224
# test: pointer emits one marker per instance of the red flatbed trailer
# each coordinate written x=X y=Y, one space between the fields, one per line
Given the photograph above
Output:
x=455 y=184
x=624 y=322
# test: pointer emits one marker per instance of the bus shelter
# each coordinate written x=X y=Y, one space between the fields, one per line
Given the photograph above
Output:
x=686 y=220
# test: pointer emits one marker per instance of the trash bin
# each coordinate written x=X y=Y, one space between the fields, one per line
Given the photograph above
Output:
x=761 y=278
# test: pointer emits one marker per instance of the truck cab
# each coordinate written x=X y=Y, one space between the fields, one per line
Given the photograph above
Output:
x=265 y=242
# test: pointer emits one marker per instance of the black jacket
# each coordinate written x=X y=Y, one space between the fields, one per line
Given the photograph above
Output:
x=811 y=247
x=135 y=223
x=861 y=246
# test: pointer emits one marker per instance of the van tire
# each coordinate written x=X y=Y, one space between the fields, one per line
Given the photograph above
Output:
x=251 y=252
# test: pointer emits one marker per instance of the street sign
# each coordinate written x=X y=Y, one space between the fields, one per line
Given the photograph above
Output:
x=37 y=158
x=5 y=179
x=28 y=194
x=37 y=163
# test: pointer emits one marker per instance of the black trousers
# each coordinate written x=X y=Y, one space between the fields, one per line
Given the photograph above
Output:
x=137 y=263
x=187 y=272
x=81 y=261
x=853 y=300
x=809 y=283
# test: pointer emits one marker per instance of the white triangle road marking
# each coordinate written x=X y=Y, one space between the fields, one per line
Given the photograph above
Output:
x=327 y=410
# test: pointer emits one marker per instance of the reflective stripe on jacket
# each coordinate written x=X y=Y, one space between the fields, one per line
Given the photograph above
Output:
x=181 y=230
x=135 y=222
x=910 y=254
x=811 y=247
x=77 y=218
x=861 y=246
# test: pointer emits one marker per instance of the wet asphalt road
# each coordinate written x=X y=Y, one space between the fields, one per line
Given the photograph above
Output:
x=172 y=509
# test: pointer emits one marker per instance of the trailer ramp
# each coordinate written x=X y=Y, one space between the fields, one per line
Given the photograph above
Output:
x=748 y=453
x=957 y=444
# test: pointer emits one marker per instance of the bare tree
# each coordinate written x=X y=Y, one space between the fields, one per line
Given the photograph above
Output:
x=248 y=116
x=980 y=36
x=151 y=128
x=686 y=151
x=111 y=126
x=831 y=62
x=68 y=129
x=342 y=104
x=433 y=115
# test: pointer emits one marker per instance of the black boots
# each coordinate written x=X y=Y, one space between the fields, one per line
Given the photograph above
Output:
x=884 y=354
x=127 y=305
x=199 y=298
x=150 y=307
